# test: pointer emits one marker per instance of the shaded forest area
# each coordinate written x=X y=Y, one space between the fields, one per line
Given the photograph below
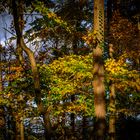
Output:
x=70 y=70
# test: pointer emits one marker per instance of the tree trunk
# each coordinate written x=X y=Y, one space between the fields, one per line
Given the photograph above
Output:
x=18 y=18
x=112 y=110
x=72 y=117
x=84 y=128
x=21 y=129
x=98 y=72
x=17 y=11
x=112 y=105
x=17 y=133
x=47 y=125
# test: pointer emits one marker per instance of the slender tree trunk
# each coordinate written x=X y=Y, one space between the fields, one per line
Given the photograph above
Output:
x=98 y=72
x=21 y=129
x=72 y=116
x=18 y=23
x=112 y=105
x=17 y=133
x=47 y=125
x=112 y=111
x=84 y=128
x=17 y=11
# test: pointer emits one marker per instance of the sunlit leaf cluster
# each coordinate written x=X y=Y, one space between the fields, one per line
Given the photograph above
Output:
x=119 y=71
x=70 y=75
x=50 y=16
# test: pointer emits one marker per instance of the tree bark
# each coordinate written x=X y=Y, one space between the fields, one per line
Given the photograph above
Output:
x=112 y=111
x=18 y=11
x=21 y=129
x=98 y=72
x=72 y=116
x=112 y=105
x=47 y=125
x=18 y=23
x=84 y=128
x=17 y=133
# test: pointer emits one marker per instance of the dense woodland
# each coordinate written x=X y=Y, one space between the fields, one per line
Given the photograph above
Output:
x=70 y=70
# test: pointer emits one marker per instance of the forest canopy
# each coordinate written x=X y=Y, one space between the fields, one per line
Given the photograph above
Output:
x=70 y=70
